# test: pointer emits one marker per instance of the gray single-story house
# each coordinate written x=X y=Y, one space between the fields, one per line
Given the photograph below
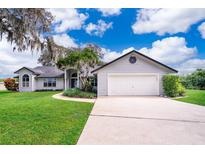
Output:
x=131 y=74
x=40 y=78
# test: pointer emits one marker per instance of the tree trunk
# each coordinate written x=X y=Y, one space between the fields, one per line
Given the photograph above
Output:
x=85 y=83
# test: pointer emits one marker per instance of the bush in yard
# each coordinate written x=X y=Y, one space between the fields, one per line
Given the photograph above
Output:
x=195 y=80
x=172 y=86
x=187 y=82
x=75 y=92
x=199 y=76
x=181 y=90
x=11 y=84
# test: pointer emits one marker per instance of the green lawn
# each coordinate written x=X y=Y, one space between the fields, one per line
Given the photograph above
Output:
x=1 y=80
x=37 y=118
x=194 y=97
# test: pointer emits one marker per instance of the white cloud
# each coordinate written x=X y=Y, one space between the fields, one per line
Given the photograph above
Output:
x=201 y=29
x=98 y=29
x=162 y=21
x=111 y=55
x=11 y=60
x=128 y=50
x=110 y=11
x=64 y=40
x=191 y=65
x=68 y=19
x=171 y=50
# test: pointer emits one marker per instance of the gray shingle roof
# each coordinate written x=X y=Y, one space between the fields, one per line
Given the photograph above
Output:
x=46 y=71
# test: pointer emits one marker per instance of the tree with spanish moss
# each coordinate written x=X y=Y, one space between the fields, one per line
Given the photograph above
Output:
x=24 y=28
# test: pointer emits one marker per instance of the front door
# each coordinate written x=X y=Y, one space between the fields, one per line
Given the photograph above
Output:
x=73 y=83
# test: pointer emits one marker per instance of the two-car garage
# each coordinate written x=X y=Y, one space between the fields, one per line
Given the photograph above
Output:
x=133 y=84
x=132 y=74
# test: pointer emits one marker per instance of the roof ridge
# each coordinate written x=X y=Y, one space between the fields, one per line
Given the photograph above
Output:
x=136 y=53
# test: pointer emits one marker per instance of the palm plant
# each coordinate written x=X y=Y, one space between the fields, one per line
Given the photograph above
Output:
x=83 y=61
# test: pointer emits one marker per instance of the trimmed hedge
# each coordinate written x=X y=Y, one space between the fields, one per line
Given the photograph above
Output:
x=75 y=92
x=172 y=86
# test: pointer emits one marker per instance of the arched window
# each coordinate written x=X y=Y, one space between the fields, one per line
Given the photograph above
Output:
x=25 y=80
x=74 y=75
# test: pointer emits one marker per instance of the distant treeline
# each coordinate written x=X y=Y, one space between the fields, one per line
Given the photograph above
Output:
x=195 y=80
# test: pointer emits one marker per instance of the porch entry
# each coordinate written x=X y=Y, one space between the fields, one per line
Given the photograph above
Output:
x=74 y=80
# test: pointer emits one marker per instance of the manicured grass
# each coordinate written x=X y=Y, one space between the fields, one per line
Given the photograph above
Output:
x=75 y=92
x=1 y=80
x=194 y=97
x=37 y=118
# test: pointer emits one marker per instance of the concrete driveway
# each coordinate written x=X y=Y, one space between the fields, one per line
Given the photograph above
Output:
x=144 y=120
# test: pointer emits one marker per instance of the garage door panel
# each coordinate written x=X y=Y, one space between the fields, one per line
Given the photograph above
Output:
x=133 y=85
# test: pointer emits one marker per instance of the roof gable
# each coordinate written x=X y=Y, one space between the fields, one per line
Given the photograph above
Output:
x=29 y=69
x=44 y=71
x=144 y=56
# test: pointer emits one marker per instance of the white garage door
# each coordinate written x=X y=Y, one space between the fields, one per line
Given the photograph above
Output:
x=133 y=84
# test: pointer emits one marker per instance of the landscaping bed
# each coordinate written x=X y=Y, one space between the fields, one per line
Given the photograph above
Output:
x=75 y=92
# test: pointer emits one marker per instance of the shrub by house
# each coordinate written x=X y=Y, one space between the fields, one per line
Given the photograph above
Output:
x=172 y=86
x=11 y=84
x=75 y=92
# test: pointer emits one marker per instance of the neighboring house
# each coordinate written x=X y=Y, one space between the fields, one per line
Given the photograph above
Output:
x=130 y=74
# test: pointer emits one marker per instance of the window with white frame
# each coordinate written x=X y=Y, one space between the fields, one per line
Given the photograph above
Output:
x=49 y=82
x=25 y=80
x=93 y=81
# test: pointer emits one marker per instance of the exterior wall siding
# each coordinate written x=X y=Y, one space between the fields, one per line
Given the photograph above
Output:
x=37 y=83
x=123 y=65
x=31 y=80
x=59 y=84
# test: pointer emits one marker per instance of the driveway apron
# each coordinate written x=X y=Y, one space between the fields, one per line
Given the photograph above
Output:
x=144 y=120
